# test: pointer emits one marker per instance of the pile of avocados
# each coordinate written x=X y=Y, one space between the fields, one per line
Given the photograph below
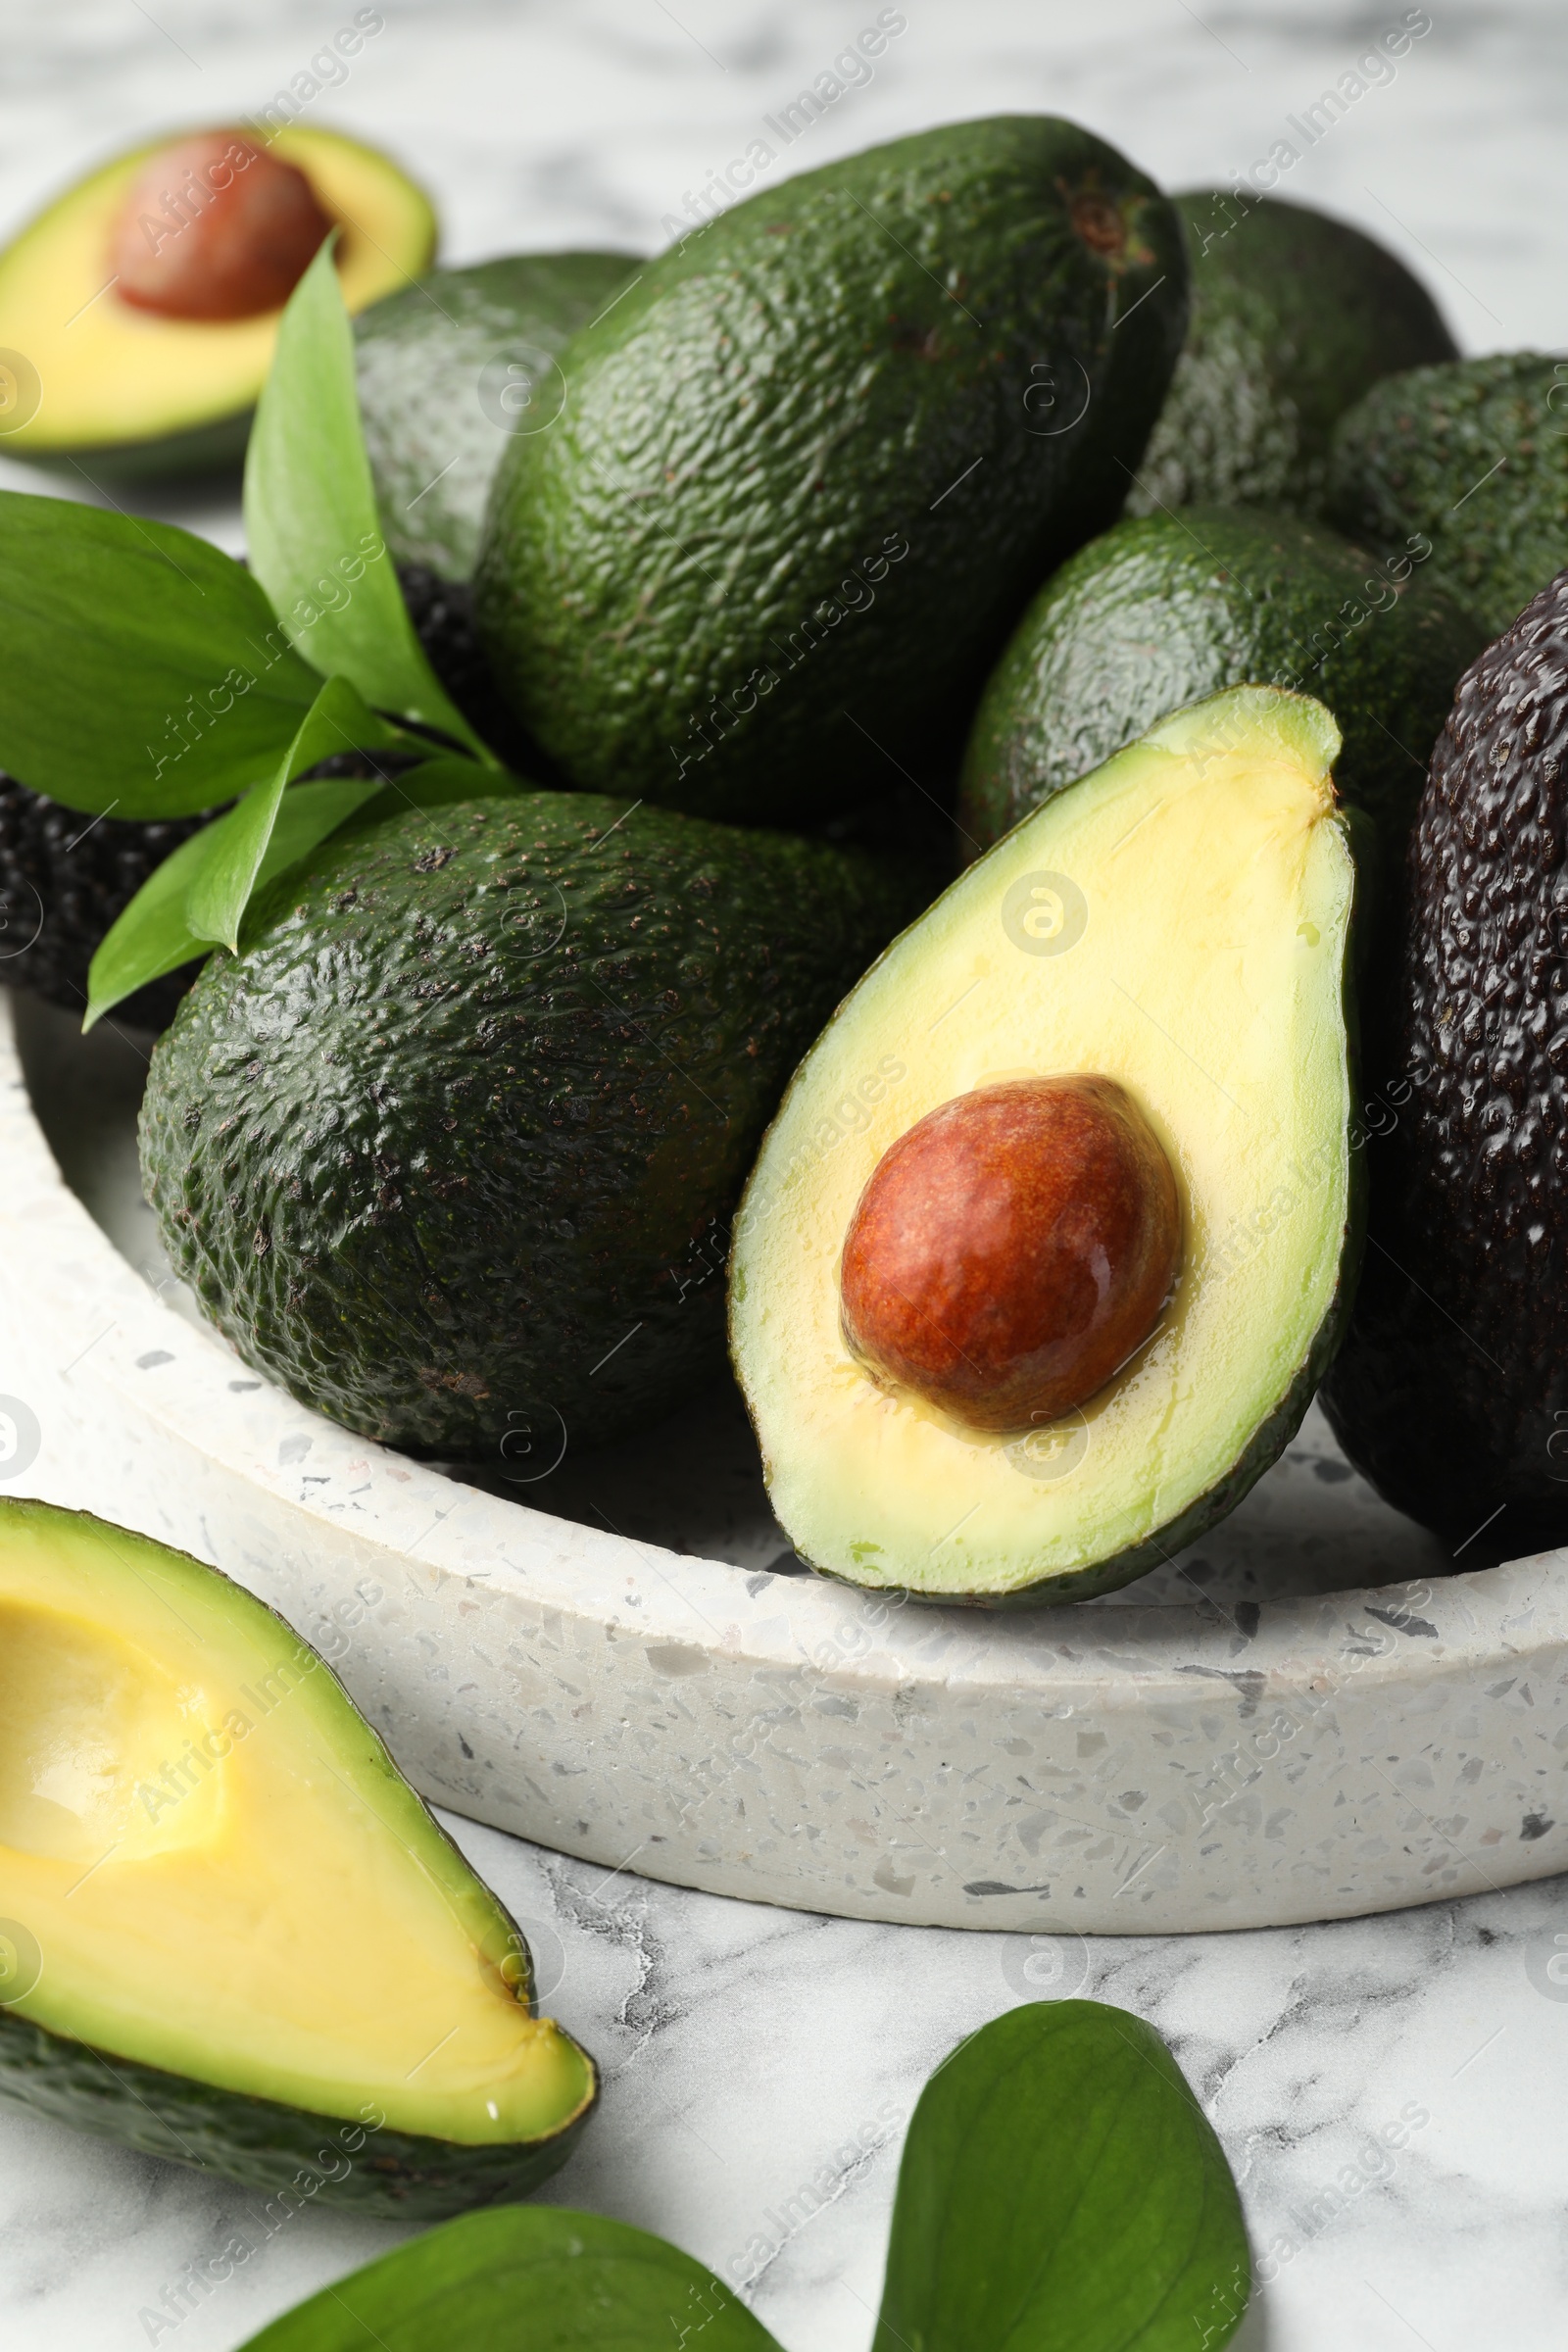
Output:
x=975 y=747
x=966 y=648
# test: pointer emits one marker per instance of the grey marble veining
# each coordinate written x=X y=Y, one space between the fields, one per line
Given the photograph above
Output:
x=760 y=2063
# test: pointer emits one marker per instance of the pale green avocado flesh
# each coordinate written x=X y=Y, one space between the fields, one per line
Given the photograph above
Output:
x=1180 y=921
x=229 y=1931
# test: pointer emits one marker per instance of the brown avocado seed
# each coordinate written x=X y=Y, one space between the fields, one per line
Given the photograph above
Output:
x=216 y=228
x=1011 y=1250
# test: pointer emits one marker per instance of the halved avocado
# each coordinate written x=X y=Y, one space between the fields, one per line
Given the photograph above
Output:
x=1179 y=923
x=233 y=1936
x=127 y=392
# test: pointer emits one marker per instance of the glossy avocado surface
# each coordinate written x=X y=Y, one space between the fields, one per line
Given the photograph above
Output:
x=1167 y=609
x=450 y=368
x=1180 y=923
x=809 y=466
x=1472 y=457
x=238 y=1939
x=1293 y=316
x=451 y=1147
x=1451 y=1394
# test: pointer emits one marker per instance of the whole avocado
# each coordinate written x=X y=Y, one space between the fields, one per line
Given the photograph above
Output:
x=450 y=367
x=63 y=879
x=1475 y=457
x=450 y=1147
x=1164 y=610
x=1451 y=1391
x=1293 y=317
x=809 y=466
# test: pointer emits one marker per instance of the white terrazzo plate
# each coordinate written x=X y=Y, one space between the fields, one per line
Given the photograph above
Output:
x=1307 y=1716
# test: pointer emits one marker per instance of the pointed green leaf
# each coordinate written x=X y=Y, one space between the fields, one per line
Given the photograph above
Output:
x=219 y=892
x=151 y=936
x=1061 y=2190
x=311 y=519
x=144 y=671
x=533 y=2277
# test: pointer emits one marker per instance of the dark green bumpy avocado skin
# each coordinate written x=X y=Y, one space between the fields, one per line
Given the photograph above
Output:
x=1164 y=610
x=810 y=466
x=1476 y=457
x=1451 y=1391
x=436 y=422
x=450 y=1147
x=1294 y=316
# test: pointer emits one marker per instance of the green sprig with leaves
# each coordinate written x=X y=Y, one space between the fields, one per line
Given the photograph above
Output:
x=150 y=674
x=1061 y=2190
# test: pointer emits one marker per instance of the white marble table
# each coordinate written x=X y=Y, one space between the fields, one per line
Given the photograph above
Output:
x=760 y=2064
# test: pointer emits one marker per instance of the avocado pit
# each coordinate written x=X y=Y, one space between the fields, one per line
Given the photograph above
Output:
x=1012 y=1250
x=216 y=228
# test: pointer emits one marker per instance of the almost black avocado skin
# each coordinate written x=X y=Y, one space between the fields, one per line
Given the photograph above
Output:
x=1451 y=1391
x=63 y=879
x=450 y=1147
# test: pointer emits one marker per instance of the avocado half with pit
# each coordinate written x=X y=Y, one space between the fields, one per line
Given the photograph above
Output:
x=1054 y=1235
x=232 y=1934
x=124 y=390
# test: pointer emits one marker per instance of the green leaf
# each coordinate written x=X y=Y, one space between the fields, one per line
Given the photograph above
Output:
x=144 y=671
x=220 y=891
x=311 y=522
x=532 y=2277
x=197 y=897
x=1061 y=2190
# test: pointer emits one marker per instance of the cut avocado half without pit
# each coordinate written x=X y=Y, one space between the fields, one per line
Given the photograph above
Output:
x=234 y=1935
x=981 y=1364
x=96 y=373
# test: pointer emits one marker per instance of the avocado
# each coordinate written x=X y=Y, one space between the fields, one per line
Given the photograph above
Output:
x=453 y=366
x=1150 y=971
x=1165 y=608
x=1473 y=460
x=238 y=1939
x=65 y=879
x=451 y=1147
x=810 y=464
x=96 y=381
x=1294 y=316
x=1451 y=1395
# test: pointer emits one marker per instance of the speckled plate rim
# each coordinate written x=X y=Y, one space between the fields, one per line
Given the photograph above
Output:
x=1092 y=1771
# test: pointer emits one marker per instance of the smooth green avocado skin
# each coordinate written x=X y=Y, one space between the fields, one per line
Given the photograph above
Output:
x=1474 y=457
x=1164 y=610
x=436 y=424
x=1293 y=317
x=450 y=1149
x=812 y=463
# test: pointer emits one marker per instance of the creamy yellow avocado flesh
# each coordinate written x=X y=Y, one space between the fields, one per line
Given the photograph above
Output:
x=108 y=373
x=222 y=1872
x=1178 y=921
